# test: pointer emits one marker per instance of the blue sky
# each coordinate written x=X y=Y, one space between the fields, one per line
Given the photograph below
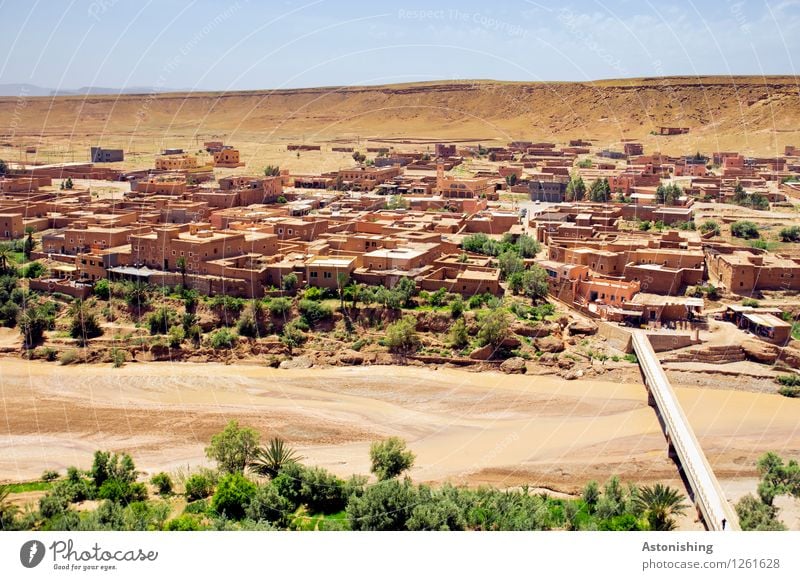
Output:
x=250 y=44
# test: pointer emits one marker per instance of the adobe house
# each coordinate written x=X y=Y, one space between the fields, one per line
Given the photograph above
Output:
x=765 y=323
x=673 y=130
x=227 y=157
x=325 y=271
x=102 y=155
x=745 y=273
x=11 y=226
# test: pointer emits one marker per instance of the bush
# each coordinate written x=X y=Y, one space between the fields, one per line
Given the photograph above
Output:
x=280 y=306
x=789 y=380
x=49 y=475
x=176 y=336
x=401 y=336
x=791 y=392
x=390 y=458
x=160 y=321
x=459 y=337
x=744 y=229
x=750 y=302
x=710 y=226
x=313 y=311
x=184 y=523
x=457 y=306
x=233 y=496
x=494 y=328
x=198 y=486
x=790 y=234
x=162 y=482
x=293 y=334
x=222 y=338
x=321 y=491
x=289 y=282
x=118 y=357
x=102 y=289
x=383 y=507
x=267 y=505
x=233 y=448
x=33 y=270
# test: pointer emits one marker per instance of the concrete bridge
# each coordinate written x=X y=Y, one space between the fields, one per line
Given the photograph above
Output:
x=683 y=445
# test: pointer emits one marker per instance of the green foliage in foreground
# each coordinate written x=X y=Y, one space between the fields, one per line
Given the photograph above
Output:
x=293 y=496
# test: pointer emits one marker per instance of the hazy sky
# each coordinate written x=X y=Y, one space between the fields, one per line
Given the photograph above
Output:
x=250 y=44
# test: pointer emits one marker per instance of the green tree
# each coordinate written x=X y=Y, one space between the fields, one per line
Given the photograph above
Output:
x=659 y=504
x=233 y=448
x=511 y=179
x=527 y=246
x=102 y=289
x=29 y=245
x=289 y=282
x=389 y=458
x=160 y=320
x=509 y=263
x=84 y=324
x=272 y=170
x=32 y=323
x=401 y=336
x=8 y=511
x=576 y=189
x=459 y=337
x=180 y=263
x=270 y=459
x=494 y=327
x=267 y=505
x=755 y=515
x=745 y=229
x=162 y=482
x=233 y=495
x=383 y=507
x=535 y=283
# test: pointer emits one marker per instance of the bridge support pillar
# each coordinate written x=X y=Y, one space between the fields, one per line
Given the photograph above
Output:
x=671 y=451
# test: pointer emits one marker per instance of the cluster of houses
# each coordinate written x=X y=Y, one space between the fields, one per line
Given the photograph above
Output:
x=405 y=214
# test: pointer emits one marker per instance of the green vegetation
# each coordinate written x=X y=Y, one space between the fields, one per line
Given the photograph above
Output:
x=576 y=189
x=298 y=497
x=744 y=229
x=710 y=226
x=790 y=234
x=777 y=477
x=401 y=336
x=751 y=200
x=390 y=458
x=600 y=191
x=668 y=194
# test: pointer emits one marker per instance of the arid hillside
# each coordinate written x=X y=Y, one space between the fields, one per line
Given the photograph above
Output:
x=754 y=115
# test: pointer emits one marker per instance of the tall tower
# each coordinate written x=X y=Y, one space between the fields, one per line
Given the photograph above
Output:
x=439 y=176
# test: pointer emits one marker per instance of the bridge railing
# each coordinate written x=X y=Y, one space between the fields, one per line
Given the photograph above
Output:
x=705 y=486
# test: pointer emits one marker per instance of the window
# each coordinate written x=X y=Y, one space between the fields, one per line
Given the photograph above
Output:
x=173 y=252
x=313 y=274
x=327 y=275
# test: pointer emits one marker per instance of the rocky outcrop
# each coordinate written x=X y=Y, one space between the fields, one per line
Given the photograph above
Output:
x=350 y=357
x=515 y=365
x=549 y=344
x=533 y=329
x=298 y=362
x=482 y=353
x=581 y=326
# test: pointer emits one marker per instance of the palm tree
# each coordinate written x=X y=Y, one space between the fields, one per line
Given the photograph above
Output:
x=8 y=511
x=271 y=459
x=5 y=258
x=659 y=504
x=181 y=263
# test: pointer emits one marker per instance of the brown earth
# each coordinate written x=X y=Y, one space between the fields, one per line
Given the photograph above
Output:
x=755 y=115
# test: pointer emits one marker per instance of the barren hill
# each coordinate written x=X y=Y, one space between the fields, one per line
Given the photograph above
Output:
x=757 y=115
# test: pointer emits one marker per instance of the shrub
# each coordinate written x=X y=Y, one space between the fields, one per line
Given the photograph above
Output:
x=175 y=336
x=390 y=458
x=49 y=475
x=280 y=306
x=401 y=336
x=710 y=226
x=160 y=321
x=102 y=289
x=184 y=523
x=459 y=337
x=744 y=229
x=790 y=234
x=69 y=357
x=750 y=302
x=222 y=338
x=457 y=306
x=267 y=505
x=791 y=392
x=233 y=496
x=118 y=357
x=289 y=282
x=321 y=491
x=494 y=328
x=789 y=380
x=386 y=506
x=162 y=482
x=293 y=334
x=33 y=270
x=313 y=311
x=198 y=486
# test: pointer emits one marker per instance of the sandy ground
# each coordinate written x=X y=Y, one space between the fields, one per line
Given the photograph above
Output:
x=465 y=427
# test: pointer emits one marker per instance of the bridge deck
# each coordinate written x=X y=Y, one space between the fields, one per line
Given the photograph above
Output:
x=704 y=484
